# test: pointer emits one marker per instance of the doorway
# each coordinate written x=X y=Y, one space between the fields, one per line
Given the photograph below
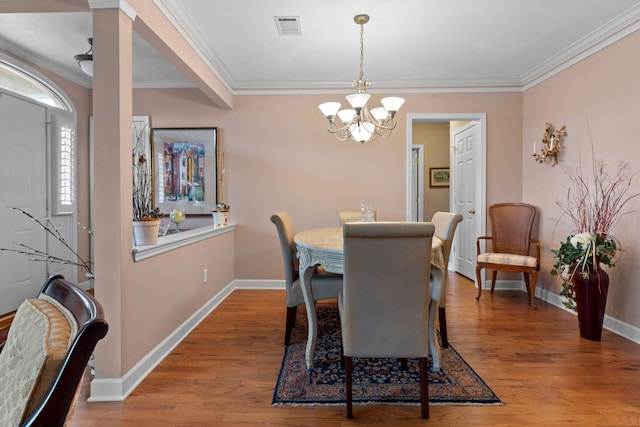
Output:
x=475 y=184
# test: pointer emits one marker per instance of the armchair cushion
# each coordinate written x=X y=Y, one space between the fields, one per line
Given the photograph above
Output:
x=41 y=331
x=508 y=259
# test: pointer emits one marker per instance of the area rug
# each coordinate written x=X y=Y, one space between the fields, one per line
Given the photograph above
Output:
x=375 y=381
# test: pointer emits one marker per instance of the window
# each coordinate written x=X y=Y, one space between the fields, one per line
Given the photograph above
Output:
x=21 y=82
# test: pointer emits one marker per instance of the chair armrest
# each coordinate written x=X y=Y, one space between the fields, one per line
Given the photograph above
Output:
x=478 y=242
x=537 y=243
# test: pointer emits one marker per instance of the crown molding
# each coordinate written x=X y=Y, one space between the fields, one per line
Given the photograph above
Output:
x=114 y=4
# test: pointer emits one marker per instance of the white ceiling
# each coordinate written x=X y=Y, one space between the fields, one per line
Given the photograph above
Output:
x=412 y=44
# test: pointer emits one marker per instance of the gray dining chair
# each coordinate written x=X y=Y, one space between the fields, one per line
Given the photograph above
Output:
x=445 y=224
x=383 y=306
x=324 y=285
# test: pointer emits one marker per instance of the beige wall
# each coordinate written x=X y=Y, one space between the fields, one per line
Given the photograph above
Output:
x=280 y=157
x=597 y=100
x=294 y=165
x=434 y=137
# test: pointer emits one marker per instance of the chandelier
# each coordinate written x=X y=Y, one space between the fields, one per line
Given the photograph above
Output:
x=358 y=122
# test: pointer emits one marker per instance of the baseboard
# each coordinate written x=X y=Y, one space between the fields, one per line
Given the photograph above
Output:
x=612 y=324
x=117 y=389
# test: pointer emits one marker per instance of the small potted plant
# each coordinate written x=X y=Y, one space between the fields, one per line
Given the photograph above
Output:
x=146 y=219
x=220 y=214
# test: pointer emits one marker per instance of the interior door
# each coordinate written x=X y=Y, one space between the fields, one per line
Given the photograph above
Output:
x=23 y=185
x=465 y=142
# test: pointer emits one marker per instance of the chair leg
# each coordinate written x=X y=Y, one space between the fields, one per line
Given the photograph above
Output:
x=493 y=280
x=403 y=363
x=479 y=280
x=424 y=387
x=291 y=321
x=348 y=390
x=532 y=289
x=442 y=317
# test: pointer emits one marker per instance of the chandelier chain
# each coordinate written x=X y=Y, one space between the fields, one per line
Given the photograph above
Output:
x=361 y=52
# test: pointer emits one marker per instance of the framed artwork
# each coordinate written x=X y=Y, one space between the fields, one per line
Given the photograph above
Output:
x=185 y=169
x=438 y=177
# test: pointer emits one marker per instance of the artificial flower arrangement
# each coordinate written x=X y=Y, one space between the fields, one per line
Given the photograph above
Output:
x=594 y=205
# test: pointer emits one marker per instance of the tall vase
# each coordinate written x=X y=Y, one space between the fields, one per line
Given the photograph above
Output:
x=591 y=300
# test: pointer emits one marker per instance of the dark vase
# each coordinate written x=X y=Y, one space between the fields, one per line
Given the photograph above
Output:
x=591 y=299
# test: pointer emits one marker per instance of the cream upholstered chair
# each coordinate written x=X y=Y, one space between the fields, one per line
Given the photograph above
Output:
x=324 y=285
x=343 y=216
x=43 y=361
x=511 y=241
x=383 y=306
x=445 y=227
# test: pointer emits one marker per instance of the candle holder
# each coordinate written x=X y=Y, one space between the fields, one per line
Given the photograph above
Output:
x=551 y=145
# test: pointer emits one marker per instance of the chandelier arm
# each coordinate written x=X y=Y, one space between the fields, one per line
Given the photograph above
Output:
x=387 y=124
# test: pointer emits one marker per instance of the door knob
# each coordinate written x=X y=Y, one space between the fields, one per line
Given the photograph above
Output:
x=472 y=211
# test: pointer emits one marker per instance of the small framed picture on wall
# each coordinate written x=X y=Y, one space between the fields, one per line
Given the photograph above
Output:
x=438 y=177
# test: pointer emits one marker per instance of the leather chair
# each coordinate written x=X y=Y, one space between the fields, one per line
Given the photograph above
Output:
x=47 y=350
x=383 y=309
x=445 y=224
x=343 y=216
x=510 y=244
x=324 y=285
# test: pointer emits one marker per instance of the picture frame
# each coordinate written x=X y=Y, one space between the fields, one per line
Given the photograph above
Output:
x=185 y=169
x=439 y=177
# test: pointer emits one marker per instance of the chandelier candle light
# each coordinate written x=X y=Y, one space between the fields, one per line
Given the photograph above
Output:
x=359 y=122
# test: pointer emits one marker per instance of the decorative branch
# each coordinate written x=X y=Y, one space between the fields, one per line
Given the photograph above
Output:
x=38 y=255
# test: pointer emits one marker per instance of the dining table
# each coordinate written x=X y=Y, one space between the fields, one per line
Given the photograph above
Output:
x=324 y=246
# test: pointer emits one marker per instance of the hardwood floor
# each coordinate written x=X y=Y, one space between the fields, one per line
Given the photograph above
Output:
x=224 y=373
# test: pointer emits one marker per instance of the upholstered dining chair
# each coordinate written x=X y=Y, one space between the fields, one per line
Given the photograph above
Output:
x=324 y=285
x=383 y=307
x=445 y=227
x=343 y=216
x=510 y=245
x=46 y=353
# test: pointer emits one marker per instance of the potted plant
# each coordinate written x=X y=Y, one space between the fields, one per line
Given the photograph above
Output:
x=220 y=214
x=594 y=205
x=146 y=219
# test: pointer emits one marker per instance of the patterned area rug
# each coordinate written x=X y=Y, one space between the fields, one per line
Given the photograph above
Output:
x=374 y=380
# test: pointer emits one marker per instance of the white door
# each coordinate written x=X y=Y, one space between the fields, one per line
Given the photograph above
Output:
x=464 y=198
x=417 y=183
x=23 y=185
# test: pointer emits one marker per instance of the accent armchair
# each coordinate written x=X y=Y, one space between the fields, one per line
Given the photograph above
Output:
x=324 y=285
x=47 y=350
x=384 y=310
x=510 y=243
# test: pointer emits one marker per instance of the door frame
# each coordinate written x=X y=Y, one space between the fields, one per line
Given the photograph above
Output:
x=419 y=180
x=481 y=170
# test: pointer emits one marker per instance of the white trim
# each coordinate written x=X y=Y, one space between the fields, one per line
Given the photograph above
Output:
x=114 y=4
x=612 y=324
x=118 y=389
x=613 y=31
x=177 y=240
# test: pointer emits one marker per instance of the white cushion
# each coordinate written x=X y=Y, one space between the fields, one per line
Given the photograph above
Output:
x=507 y=259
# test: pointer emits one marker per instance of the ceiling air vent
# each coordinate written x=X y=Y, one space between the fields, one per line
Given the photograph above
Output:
x=288 y=25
